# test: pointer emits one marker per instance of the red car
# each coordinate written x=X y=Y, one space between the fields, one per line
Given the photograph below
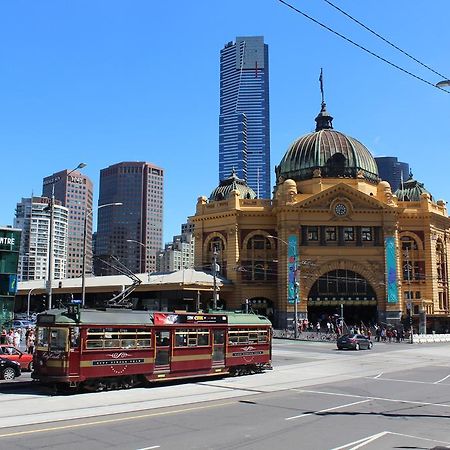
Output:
x=13 y=354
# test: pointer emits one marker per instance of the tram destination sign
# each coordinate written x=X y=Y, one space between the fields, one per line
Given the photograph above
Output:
x=167 y=318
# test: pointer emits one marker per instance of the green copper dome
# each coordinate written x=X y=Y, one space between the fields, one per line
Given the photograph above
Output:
x=411 y=190
x=327 y=153
x=232 y=183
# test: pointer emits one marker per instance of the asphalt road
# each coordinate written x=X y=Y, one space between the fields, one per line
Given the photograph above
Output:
x=395 y=396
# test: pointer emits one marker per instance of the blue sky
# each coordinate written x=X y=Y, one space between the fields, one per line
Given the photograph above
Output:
x=107 y=81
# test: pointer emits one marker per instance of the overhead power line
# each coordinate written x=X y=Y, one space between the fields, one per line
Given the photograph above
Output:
x=386 y=40
x=361 y=47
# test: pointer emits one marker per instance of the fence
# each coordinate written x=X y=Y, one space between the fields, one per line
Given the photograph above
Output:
x=305 y=335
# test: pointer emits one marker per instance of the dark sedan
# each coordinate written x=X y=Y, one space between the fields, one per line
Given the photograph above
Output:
x=9 y=369
x=354 y=342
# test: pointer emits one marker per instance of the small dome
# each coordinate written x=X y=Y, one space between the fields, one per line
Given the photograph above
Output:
x=411 y=190
x=327 y=153
x=230 y=184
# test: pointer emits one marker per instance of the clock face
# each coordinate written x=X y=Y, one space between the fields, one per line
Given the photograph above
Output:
x=340 y=209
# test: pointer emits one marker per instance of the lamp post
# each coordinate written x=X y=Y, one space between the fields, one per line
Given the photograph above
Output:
x=296 y=283
x=214 y=271
x=442 y=84
x=87 y=213
x=147 y=256
x=29 y=300
x=51 y=232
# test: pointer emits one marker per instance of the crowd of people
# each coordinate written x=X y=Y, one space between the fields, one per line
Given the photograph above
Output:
x=20 y=338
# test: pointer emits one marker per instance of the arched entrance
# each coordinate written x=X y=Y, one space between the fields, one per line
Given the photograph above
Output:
x=346 y=292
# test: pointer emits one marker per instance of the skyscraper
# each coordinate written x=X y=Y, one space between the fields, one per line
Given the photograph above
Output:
x=74 y=190
x=33 y=218
x=244 y=128
x=392 y=170
x=133 y=231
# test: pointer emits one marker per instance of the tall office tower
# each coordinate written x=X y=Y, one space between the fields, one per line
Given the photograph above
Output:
x=133 y=231
x=74 y=190
x=33 y=217
x=244 y=128
x=178 y=254
x=391 y=170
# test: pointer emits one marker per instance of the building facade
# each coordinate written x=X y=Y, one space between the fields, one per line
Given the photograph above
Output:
x=178 y=254
x=9 y=256
x=75 y=191
x=334 y=238
x=392 y=170
x=244 y=128
x=131 y=232
x=33 y=218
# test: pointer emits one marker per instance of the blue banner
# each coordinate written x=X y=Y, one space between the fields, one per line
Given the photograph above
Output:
x=391 y=270
x=293 y=288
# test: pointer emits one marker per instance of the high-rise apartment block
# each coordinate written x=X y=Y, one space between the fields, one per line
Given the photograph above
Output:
x=33 y=218
x=244 y=128
x=74 y=190
x=178 y=254
x=392 y=171
x=131 y=232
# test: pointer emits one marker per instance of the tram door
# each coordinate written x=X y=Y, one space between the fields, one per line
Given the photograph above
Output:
x=162 y=347
x=218 y=356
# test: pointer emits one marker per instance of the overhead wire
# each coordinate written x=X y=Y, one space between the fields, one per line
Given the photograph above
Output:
x=384 y=39
x=361 y=47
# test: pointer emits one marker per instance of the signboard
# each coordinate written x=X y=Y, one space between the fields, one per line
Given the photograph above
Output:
x=391 y=270
x=292 y=264
x=9 y=240
x=170 y=319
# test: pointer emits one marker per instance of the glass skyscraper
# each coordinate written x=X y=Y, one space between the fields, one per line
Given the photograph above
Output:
x=392 y=170
x=244 y=131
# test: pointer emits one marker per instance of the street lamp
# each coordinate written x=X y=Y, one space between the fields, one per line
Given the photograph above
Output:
x=296 y=283
x=87 y=213
x=29 y=300
x=147 y=255
x=442 y=84
x=51 y=232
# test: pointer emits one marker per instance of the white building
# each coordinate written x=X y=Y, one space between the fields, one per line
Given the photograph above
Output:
x=33 y=218
x=178 y=254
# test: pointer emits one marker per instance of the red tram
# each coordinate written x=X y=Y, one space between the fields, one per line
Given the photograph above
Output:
x=110 y=349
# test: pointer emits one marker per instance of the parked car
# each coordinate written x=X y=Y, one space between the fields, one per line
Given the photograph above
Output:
x=354 y=342
x=13 y=354
x=9 y=369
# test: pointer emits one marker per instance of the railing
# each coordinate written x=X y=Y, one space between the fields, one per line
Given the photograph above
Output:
x=314 y=336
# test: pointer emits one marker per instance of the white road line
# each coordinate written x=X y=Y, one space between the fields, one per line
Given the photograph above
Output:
x=384 y=399
x=443 y=379
x=149 y=448
x=326 y=410
x=418 y=437
x=368 y=441
x=378 y=376
x=401 y=381
x=362 y=441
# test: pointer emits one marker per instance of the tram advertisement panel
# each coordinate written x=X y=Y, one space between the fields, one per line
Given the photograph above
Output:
x=167 y=319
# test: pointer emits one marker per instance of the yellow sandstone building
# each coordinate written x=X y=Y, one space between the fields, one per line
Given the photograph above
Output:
x=333 y=236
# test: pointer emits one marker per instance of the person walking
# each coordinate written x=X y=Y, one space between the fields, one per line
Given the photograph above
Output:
x=30 y=342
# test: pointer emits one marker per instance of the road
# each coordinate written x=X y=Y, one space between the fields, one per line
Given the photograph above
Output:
x=395 y=396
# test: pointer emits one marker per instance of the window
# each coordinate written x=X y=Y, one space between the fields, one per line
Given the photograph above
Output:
x=366 y=234
x=191 y=338
x=313 y=233
x=111 y=338
x=330 y=233
x=349 y=234
x=236 y=337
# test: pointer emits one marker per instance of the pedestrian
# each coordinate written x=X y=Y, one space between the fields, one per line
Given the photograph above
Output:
x=30 y=342
x=10 y=337
x=16 y=338
x=3 y=337
x=318 y=326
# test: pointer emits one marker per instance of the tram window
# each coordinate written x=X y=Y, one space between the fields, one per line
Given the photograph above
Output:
x=203 y=338
x=58 y=338
x=191 y=338
x=112 y=343
x=262 y=336
x=143 y=343
x=91 y=344
x=42 y=338
x=253 y=337
x=74 y=337
x=243 y=339
x=162 y=338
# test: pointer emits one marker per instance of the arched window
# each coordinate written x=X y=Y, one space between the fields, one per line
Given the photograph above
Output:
x=440 y=262
x=216 y=245
x=413 y=265
x=259 y=264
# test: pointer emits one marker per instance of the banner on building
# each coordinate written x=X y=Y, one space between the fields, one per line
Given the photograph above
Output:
x=391 y=269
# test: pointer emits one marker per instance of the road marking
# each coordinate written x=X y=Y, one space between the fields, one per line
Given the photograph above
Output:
x=362 y=442
x=400 y=381
x=394 y=400
x=418 y=437
x=443 y=379
x=149 y=448
x=121 y=419
x=326 y=410
x=378 y=376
